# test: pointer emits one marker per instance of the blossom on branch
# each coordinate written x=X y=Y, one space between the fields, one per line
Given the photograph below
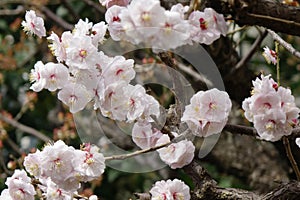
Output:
x=146 y=21
x=144 y=136
x=34 y=24
x=208 y=112
x=170 y=190
x=19 y=186
x=270 y=55
x=272 y=109
x=207 y=26
x=177 y=155
x=60 y=168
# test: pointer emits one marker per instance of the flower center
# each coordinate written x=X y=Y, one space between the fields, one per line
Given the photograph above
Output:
x=270 y=125
x=212 y=106
x=146 y=16
x=83 y=53
x=203 y=24
x=116 y=19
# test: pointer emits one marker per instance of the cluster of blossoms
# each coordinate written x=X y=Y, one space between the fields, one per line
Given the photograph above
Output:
x=206 y=115
x=171 y=190
x=271 y=108
x=147 y=21
x=84 y=74
x=59 y=169
x=208 y=112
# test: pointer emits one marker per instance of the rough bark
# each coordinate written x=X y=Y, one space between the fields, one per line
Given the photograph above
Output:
x=258 y=164
x=206 y=188
x=267 y=13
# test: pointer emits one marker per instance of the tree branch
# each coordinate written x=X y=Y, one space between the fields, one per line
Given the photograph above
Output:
x=25 y=128
x=251 y=52
x=139 y=152
x=56 y=19
x=267 y=13
x=283 y=43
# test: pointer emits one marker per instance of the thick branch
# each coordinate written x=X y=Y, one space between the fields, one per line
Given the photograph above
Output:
x=267 y=13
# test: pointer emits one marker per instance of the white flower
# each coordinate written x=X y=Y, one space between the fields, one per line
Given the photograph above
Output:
x=173 y=33
x=89 y=163
x=98 y=32
x=119 y=69
x=144 y=136
x=81 y=53
x=56 y=162
x=32 y=163
x=146 y=13
x=207 y=26
x=220 y=23
x=56 y=75
x=74 y=95
x=58 y=45
x=170 y=190
x=270 y=55
x=53 y=192
x=112 y=17
x=34 y=24
x=5 y=195
x=36 y=78
x=19 y=186
x=271 y=126
x=177 y=155
x=151 y=108
x=208 y=112
x=179 y=8
x=82 y=28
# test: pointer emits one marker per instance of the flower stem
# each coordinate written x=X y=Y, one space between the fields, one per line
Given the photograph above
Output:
x=290 y=156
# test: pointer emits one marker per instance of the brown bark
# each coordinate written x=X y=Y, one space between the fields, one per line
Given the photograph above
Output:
x=267 y=13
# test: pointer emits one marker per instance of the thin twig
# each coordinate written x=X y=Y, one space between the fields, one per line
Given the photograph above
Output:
x=25 y=128
x=71 y=10
x=286 y=45
x=236 y=30
x=253 y=49
x=6 y=12
x=23 y=110
x=97 y=6
x=291 y=157
x=139 y=152
x=56 y=19
x=190 y=71
x=274 y=19
x=13 y=145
